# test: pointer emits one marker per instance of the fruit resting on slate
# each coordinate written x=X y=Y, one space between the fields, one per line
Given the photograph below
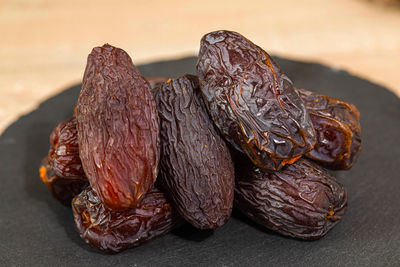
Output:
x=118 y=129
x=196 y=168
x=301 y=200
x=62 y=170
x=338 y=130
x=114 y=231
x=64 y=189
x=124 y=125
x=254 y=105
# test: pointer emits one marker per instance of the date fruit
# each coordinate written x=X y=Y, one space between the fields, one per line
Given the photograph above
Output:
x=62 y=170
x=338 y=130
x=118 y=129
x=64 y=150
x=115 y=231
x=64 y=189
x=301 y=200
x=195 y=166
x=254 y=105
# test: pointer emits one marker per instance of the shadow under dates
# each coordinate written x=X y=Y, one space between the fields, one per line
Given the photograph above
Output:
x=190 y=233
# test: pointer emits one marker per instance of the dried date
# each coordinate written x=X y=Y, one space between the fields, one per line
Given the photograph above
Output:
x=301 y=200
x=64 y=189
x=118 y=128
x=254 y=105
x=338 y=130
x=114 y=231
x=62 y=170
x=64 y=150
x=195 y=166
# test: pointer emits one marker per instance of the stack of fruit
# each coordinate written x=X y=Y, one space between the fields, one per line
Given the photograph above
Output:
x=141 y=156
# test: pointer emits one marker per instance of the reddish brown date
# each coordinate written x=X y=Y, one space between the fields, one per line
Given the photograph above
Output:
x=114 y=231
x=118 y=129
x=64 y=150
x=301 y=200
x=196 y=168
x=64 y=189
x=254 y=105
x=338 y=130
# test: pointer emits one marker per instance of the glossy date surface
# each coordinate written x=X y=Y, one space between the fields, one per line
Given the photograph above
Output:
x=118 y=128
x=338 y=130
x=254 y=105
x=195 y=166
x=301 y=200
x=114 y=231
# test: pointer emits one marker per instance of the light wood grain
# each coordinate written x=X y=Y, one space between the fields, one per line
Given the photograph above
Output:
x=44 y=44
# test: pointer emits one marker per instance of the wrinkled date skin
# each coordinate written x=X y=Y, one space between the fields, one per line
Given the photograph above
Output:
x=338 y=130
x=115 y=231
x=64 y=150
x=196 y=168
x=64 y=189
x=118 y=129
x=254 y=105
x=301 y=200
x=62 y=170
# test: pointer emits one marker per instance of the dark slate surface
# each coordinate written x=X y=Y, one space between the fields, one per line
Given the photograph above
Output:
x=36 y=230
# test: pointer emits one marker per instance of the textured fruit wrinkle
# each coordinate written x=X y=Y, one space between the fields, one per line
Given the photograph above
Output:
x=196 y=167
x=338 y=130
x=251 y=101
x=64 y=150
x=301 y=200
x=118 y=128
x=114 y=231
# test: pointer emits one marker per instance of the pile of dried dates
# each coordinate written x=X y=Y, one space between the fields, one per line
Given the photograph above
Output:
x=143 y=155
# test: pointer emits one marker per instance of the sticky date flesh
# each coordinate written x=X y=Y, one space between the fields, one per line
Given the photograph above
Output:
x=338 y=130
x=196 y=168
x=115 y=231
x=118 y=129
x=301 y=200
x=254 y=105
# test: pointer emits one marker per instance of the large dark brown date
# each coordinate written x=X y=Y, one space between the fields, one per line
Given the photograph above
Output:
x=62 y=170
x=118 y=128
x=115 y=231
x=254 y=105
x=338 y=130
x=64 y=189
x=196 y=168
x=301 y=200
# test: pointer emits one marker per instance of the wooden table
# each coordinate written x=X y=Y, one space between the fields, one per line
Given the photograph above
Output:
x=44 y=44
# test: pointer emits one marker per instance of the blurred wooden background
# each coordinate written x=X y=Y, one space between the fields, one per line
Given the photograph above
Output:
x=44 y=44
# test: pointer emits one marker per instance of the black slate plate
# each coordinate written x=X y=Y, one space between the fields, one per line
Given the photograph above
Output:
x=36 y=230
